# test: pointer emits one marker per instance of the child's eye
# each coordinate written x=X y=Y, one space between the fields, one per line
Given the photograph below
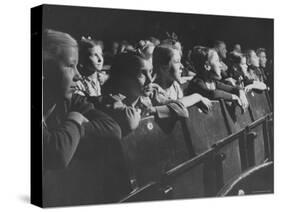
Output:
x=141 y=76
x=71 y=66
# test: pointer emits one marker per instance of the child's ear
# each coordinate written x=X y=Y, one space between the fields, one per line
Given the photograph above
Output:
x=207 y=67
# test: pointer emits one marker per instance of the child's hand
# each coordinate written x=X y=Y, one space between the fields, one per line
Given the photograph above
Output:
x=237 y=99
x=248 y=88
x=207 y=103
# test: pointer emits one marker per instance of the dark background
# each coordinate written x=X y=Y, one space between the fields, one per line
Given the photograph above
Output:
x=132 y=25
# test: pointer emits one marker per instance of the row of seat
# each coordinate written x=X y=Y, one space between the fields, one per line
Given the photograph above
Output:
x=197 y=156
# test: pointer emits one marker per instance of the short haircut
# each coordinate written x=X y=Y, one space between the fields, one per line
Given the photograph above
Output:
x=248 y=53
x=260 y=50
x=84 y=46
x=125 y=65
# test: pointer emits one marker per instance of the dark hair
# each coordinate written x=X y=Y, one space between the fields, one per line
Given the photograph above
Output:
x=162 y=55
x=199 y=56
x=235 y=58
x=234 y=63
x=125 y=65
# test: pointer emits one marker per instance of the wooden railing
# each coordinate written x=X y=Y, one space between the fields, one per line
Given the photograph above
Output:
x=198 y=156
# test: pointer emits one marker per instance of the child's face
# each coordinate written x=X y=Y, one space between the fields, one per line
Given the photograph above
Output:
x=243 y=64
x=115 y=47
x=253 y=59
x=222 y=50
x=262 y=59
x=96 y=58
x=67 y=71
x=176 y=66
x=237 y=48
x=141 y=84
x=145 y=78
x=215 y=65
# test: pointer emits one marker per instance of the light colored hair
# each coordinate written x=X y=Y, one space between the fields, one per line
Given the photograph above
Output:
x=54 y=41
x=260 y=50
x=85 y=46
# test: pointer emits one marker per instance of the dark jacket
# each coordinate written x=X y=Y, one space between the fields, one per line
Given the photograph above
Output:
x=82 y=164
x=61 y=135
x=126 y=114
x=255 y=74
x=221 y=90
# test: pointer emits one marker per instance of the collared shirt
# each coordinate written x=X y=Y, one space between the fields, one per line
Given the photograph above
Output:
x=92 y=86
x=174 y=92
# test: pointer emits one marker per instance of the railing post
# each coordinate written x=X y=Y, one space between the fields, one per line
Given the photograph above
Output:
x=243 y=150
x=267 y=145
x=251 y=136
x=219 y=158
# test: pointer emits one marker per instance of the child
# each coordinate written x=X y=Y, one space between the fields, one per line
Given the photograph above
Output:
x=128 y=92
x=207 y=81
x=90 y=62
x=168 y=68
x=75 y=134
x=254 y=73
x=238 y=69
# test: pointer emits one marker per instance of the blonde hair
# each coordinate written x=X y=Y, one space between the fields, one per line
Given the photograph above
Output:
x=54 y=41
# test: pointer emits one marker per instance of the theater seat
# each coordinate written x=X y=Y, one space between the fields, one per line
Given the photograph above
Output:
x=259 y=109
x=259 y=104
x=239 y=118
x=217 y=139
x=205 y=129
x=153 y=148
x=257 y=180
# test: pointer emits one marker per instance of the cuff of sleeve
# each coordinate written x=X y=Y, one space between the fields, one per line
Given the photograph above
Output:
x=162 y=111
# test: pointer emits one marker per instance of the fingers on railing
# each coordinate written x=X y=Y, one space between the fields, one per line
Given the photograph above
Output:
x=198 y=156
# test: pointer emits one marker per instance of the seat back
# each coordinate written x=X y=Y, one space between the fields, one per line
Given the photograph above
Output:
x=153 y=148
x=205 y=129
x=253 y=181
x=259 y=104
